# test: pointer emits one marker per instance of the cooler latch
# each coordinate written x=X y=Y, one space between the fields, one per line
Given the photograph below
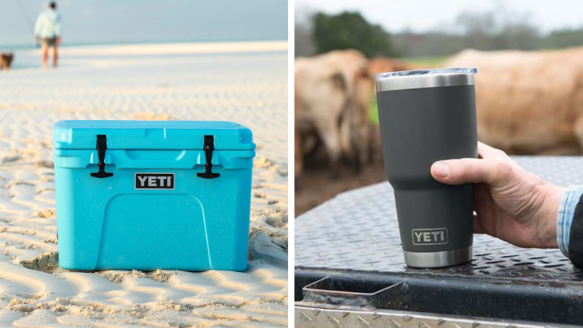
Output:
x=209 y=146
x=101 y=147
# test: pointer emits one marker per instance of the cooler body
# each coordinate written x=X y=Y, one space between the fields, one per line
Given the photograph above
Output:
x=154 y=208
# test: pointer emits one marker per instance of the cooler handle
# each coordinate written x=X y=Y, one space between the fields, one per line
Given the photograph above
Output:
x=101 y=147
x=209 y=147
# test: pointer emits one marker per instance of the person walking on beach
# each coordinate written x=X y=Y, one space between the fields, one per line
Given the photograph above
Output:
x=48 y=30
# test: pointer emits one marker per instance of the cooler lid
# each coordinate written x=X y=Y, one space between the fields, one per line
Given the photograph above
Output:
x=82 y=134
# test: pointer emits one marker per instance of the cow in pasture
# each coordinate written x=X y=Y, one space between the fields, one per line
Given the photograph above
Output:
x=528 y=102
x=332 y=99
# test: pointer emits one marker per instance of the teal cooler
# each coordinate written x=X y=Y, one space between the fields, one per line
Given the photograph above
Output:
x=153 y=195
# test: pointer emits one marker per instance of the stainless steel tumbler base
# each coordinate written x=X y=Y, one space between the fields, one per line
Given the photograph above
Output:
x=438 y=259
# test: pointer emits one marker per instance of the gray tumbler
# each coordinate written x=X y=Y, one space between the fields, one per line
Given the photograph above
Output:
x=426 y=116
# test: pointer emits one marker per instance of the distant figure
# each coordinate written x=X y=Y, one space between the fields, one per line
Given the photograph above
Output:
x=5 y=60
x=48 y=29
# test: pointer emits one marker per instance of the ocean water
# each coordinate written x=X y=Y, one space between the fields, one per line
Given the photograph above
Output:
x=98 y=22
x=109 y=55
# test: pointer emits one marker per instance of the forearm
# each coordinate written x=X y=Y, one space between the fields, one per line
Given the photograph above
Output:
x=58 y=29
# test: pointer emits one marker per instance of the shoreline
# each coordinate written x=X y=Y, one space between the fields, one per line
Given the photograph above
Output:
x=165 y=48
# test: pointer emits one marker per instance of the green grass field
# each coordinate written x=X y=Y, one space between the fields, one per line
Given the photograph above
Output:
x=373 y=113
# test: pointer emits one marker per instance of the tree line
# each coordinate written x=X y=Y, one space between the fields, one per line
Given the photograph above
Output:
x=491 y=30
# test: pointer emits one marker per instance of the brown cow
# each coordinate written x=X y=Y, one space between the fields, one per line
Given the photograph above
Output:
x=384 y=64
x=332 y=95
x=5 y=60
x=528 y=102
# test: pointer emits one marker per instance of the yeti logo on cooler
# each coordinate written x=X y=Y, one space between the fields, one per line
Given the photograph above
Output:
x=436 y=236
x=154 y=181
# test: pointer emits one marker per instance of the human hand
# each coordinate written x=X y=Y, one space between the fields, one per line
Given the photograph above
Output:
x=58 y=41
x=510 y=203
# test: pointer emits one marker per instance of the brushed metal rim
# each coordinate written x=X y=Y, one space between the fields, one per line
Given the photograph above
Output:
x=393 y=83
x=438 y=259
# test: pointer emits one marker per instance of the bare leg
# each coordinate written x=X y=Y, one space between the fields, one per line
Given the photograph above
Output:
x=329 y=132
x=45 y=54
x=55 y=56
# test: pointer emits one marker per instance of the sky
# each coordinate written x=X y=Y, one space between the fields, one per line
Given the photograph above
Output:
x=424 y=15
x=136 y=21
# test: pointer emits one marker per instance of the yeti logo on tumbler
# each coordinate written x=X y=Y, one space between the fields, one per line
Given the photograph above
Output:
x=430 y=236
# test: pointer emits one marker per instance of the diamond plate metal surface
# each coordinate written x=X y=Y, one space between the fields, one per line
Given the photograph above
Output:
x=314 y=317
x=357 y=230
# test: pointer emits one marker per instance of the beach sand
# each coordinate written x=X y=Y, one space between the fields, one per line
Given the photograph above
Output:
x=168 y=82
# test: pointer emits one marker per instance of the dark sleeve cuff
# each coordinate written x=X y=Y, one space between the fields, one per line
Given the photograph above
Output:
x=576 y=236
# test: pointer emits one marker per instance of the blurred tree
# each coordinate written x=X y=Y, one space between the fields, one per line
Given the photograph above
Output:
x=564 y=38
x=495 y=29
x=349 y=30
x=303 y=40
x=303 y=43
x=498 y=29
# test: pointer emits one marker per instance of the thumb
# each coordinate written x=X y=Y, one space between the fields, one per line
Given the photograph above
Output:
x=493 y=171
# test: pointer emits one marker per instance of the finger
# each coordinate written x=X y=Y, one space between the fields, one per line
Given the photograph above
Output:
x=494 y=172
x=485 y=151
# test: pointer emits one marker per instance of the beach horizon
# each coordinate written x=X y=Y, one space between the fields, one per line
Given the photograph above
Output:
x=30 y=57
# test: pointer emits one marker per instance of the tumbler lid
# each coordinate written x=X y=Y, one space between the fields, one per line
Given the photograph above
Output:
x=425 y=78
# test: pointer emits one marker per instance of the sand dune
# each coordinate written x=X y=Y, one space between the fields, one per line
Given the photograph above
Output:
x=250 y=89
